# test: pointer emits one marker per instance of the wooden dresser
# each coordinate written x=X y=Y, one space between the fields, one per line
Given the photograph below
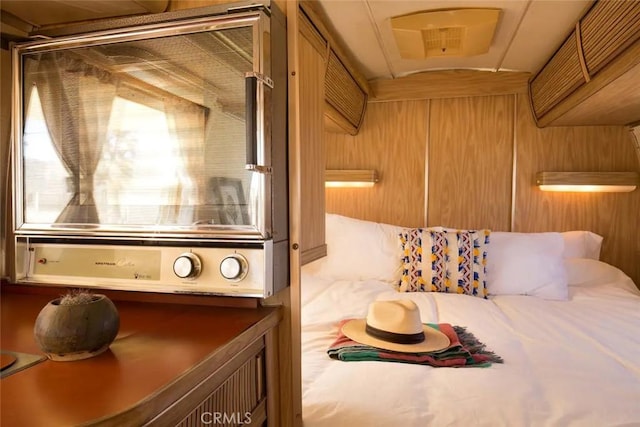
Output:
x=170 y=365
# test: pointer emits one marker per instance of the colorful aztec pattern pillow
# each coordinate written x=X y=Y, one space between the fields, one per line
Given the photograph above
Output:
x=444 y=261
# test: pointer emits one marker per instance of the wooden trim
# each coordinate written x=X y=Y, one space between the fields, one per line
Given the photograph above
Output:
x=427 y=159
x=318 y=17
x=588 y=178
x=449 y=84
x=310 y=32
x=273 y=380
x=617 y=67
x=583 y=63
x=356 y=175
x=259 y=415
x=150 y=297
x=514 y=163
x=313 y=254
x=289 y=335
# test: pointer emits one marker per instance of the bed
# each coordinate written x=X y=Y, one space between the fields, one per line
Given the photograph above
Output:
x=571 y=348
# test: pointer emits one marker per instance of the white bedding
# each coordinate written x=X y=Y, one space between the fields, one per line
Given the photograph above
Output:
x=566 y=363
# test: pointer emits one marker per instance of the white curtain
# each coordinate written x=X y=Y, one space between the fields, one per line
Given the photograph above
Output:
x=186 y=122
x=77 y=99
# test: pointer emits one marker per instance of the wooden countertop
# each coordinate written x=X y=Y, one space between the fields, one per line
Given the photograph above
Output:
x=161 y=351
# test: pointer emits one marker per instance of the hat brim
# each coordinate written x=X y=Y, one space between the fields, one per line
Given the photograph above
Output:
x=434 y=339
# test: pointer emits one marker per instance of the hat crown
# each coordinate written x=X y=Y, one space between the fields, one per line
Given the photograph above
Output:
x=400 y=317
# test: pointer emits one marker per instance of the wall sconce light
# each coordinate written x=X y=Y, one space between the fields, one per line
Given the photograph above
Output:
x=615 y=182
x=350 y=178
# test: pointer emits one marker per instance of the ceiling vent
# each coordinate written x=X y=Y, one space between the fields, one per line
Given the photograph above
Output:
x=445 y=32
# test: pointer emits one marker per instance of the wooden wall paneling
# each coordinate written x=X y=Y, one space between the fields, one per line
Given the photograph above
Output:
x=615 y=216
x=470 y=162
x=312 y=150
x=392 y=140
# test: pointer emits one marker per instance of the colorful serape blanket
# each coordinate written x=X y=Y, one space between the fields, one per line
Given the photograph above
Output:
x=465 y=350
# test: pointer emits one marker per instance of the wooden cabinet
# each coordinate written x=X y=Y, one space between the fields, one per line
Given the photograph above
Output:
x=171 y=364
x=311 y=58
x=592 y=79
x=234 y=394
x=345 y=100
x=345 y=89
x=332 y=95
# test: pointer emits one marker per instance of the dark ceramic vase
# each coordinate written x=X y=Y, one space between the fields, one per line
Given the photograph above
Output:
x=78 y=331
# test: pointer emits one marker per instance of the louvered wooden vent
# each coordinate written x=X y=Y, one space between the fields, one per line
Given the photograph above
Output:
x=608 y=29
x=343 y=93
x=547 y=87
x=345 y=90
x=233 y=403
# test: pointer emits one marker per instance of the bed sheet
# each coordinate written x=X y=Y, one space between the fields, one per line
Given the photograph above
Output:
x=566 y=363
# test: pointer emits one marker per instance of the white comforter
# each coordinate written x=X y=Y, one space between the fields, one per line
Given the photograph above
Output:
x=566 y=363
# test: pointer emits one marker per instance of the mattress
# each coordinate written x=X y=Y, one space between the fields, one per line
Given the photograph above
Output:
x=573 y=362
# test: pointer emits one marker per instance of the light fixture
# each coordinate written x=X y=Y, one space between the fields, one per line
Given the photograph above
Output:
x=615 y=182
x=350 y=178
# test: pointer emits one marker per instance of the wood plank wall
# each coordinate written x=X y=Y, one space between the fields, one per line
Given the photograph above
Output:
x=470 y=165
x=474 y=159
x=396 y=151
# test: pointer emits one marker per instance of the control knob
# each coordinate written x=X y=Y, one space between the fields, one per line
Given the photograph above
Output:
x=187 y=266
x=234 y=267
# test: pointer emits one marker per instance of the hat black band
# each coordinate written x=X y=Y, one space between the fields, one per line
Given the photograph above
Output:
x=394 y=337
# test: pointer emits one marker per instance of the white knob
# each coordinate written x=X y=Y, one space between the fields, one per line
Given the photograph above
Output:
x=234 y=267
x=187 y=266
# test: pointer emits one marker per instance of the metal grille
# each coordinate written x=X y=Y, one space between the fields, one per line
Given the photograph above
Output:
x=443 y=39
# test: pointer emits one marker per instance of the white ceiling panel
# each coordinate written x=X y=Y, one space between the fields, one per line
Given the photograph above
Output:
x=544 y=27
x=351 y=20
x=528 y=33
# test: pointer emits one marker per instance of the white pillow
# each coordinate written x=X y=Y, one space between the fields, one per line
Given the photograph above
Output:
x=582 y=244
x=527 y=264
x=590 y=272
x=359 y=250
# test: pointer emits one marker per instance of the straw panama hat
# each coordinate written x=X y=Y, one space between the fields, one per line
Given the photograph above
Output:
x=395 y=326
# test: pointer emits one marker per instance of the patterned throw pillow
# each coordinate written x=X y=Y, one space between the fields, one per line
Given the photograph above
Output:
x=452 y=261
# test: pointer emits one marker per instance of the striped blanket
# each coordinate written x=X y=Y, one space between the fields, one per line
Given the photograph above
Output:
x=465 y=350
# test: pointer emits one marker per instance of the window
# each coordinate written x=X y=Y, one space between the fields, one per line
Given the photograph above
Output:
x=139 y=179
x=45 y=177
x=140 y=169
